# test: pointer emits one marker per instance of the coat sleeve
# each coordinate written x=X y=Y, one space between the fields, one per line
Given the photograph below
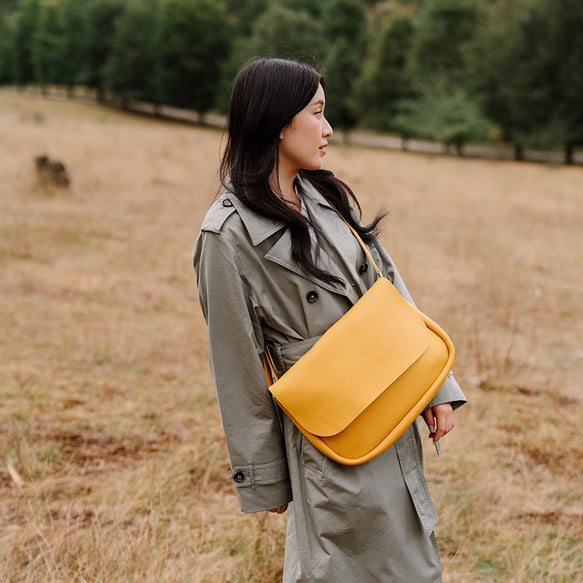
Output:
x=250 y=420
x=450 y=391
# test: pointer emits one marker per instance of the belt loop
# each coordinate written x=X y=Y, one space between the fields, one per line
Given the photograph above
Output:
x=251 y=474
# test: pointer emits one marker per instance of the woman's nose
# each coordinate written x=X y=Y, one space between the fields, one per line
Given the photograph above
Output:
x=327 y=130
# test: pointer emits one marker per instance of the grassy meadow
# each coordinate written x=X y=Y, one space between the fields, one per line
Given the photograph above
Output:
x=112 y=461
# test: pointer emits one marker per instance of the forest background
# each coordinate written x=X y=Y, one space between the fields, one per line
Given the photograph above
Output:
x=451 y=71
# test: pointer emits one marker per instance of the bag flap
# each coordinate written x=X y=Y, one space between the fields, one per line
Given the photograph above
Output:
x=356 y=359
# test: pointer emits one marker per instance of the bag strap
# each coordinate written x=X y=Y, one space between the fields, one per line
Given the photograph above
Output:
x=269 y=368
x=355 y=233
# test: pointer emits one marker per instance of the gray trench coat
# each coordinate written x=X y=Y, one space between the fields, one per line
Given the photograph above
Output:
x=360 y=524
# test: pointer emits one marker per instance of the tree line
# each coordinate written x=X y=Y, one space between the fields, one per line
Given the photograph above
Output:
x=453 y=71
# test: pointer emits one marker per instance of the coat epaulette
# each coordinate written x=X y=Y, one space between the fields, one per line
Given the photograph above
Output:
x=219 y=212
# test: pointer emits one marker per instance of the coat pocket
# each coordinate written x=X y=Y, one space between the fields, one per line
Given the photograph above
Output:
x=313 y=460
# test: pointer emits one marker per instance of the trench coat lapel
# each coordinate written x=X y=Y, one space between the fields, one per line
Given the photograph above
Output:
x=281 y=254
x=326 y=220
x=260 y=228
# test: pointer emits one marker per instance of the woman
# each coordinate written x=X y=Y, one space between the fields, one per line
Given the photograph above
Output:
x=276 y=267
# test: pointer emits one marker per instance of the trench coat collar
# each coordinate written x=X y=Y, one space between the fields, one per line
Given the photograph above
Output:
x=324 y=219
x=258 y=226
x=261 y=228
x=327 y=220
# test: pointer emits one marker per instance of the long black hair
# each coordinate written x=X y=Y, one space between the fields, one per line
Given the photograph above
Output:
x=266 y=95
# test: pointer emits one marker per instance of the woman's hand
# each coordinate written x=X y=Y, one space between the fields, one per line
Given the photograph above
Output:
x=279 y=510
x=439 y=419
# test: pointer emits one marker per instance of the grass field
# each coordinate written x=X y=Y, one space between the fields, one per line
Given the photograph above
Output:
x=112 y=460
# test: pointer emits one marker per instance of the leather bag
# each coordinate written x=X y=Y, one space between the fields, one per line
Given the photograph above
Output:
x=367 y=378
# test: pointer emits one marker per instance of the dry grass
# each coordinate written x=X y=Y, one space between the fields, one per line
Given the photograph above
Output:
x=113 y=466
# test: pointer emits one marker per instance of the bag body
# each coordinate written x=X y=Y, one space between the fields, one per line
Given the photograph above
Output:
x=369 y=376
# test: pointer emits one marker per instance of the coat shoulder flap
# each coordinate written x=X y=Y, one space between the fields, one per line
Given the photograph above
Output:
x=219 y=212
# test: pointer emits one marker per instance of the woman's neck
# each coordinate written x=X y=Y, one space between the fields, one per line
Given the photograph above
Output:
x=284 y=187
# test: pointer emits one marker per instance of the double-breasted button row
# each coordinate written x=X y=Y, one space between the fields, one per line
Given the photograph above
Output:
x=312 y=296
x=363 y=268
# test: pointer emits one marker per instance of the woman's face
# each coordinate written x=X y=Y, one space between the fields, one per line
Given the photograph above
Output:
x=304 y=140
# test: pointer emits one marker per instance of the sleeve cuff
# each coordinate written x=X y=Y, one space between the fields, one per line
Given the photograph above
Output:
x=261 y=486
x=450 y=392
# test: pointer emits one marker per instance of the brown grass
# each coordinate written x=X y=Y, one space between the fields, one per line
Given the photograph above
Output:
x=112 y=460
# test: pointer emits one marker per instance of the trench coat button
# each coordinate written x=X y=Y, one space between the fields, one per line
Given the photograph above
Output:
x=312 y=297
x=363 y=268
x=227 y=202
x=239 y=477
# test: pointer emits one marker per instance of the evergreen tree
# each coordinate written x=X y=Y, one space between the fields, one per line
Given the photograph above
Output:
x=100 y=20
x=444 y=30
x=283 y=32
x=345 y=29
x=314 y=9
x=282 y=28
x=8 y=6
x=547 y=91
x=5 y=48
x=443 y=115
x=24 y=29
x=45 y=43
x=495 y=65
x=345 y=19
x=386 y=78
x=246 y=15
x=130 y=71
x=441 y=107
x=195 y=41
x=71 y=43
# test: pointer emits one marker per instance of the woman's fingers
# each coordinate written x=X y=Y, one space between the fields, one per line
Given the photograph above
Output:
x=440 y=420
x=444 y=419
x=428 y=416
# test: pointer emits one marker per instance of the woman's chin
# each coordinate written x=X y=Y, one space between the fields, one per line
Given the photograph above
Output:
x=316 y=166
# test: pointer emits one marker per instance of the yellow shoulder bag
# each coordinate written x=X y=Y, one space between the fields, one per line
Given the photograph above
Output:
x=369 y=376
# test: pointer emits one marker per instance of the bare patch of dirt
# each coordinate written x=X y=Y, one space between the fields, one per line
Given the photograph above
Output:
x=567 y=461
x=87 y=448
x=572 y=521
x=527 y=391
x=79 y=516
x=5 y=480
